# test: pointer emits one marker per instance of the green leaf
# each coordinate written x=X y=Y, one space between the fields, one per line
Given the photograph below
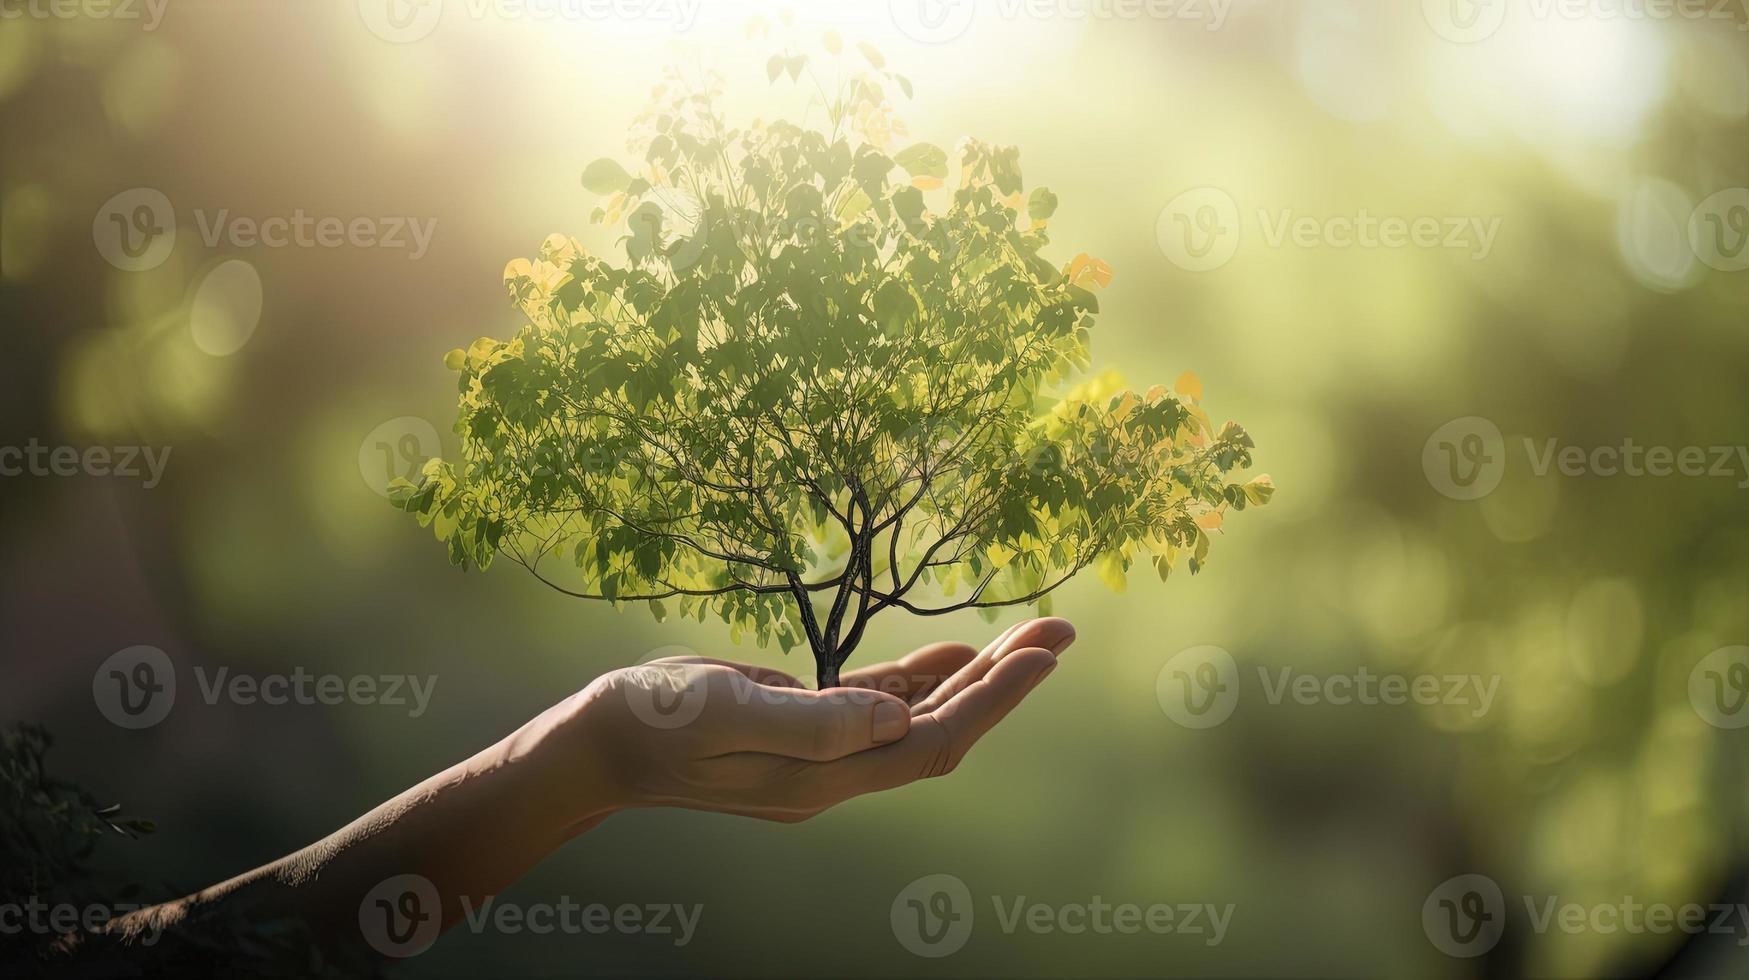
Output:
x=923 y=160
x=1041 y=204
x=606 y=176
x=1259 y=490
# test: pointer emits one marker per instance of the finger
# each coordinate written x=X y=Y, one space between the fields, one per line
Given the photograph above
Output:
x=1050 y=633
x=985 y=702
x=741 y=716
x=915 y=674
x=753 y=672
x=939 y=741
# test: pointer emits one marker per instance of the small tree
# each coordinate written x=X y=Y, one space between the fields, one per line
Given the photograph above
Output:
x=817 y=388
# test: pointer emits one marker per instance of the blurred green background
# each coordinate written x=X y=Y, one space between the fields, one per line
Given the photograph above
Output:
x=1593 y=318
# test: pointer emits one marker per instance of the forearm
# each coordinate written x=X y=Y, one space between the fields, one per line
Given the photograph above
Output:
x=470 y=831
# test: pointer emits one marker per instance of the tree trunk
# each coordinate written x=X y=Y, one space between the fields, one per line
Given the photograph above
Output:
x=826 y=673
x=826 y=666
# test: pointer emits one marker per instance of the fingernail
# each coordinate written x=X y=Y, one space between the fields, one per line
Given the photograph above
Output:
x=890 y=721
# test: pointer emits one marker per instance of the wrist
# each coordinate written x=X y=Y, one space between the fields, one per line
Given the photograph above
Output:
x=568 y=761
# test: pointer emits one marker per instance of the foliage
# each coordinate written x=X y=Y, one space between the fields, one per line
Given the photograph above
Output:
x=48 y=827
x=819 y=386
x=49 y=832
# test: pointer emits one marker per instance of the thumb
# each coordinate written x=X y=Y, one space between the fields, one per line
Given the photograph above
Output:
x=815 y=725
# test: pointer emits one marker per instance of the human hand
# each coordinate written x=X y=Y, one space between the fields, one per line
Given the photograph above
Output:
x=715 y=735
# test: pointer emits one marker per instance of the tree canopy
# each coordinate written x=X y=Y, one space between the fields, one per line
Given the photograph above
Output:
x=830 y=376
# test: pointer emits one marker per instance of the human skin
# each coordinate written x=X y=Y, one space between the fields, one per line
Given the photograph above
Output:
x=740 y=739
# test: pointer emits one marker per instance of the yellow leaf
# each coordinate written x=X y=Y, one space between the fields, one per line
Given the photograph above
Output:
x=455 y=359
x=834 y=43
x=560 y=249
x=1259 y=490
x=1209 y=521
x=853 y=207
x=1189 y=385
x=1087 y=272
x=1111 y=572
x=483 y=347
x=1126 y=403
x=926 y=183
